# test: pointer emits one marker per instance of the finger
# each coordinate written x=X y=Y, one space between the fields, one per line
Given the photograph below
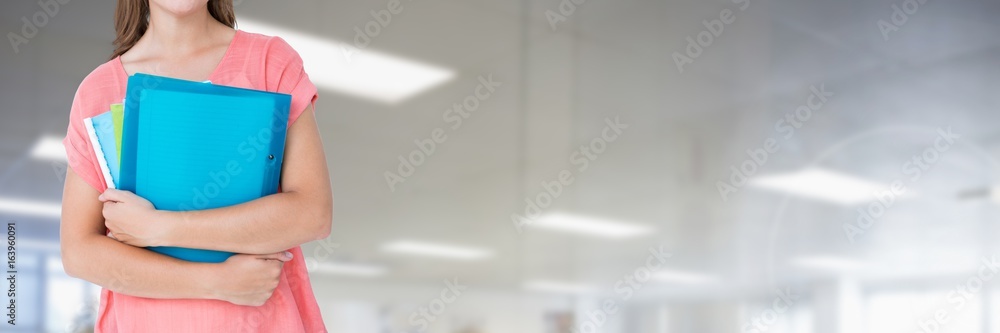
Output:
x=109 y=216
x=106 y=210
x=115 y=195
x=280 y=256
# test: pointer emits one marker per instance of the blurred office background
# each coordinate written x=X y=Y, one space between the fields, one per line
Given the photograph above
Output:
x=765 y=167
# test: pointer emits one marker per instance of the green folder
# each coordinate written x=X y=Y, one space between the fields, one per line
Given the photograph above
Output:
x=117 y=118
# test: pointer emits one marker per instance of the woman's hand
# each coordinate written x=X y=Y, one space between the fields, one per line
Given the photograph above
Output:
x=131 y=219
x=248 y=279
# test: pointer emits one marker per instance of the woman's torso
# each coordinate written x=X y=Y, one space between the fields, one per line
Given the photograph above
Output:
x=251 y=61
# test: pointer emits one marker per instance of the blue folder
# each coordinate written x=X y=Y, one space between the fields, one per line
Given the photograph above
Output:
x=193 y=145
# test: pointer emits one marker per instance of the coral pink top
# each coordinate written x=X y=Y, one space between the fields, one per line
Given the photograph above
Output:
x=252 y=61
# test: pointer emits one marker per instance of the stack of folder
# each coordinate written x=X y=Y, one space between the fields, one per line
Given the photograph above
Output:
x=187 y=145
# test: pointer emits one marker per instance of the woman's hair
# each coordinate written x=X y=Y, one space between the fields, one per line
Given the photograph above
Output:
x=132 y=19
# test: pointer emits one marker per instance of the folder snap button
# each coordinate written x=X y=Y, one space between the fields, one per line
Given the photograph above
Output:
x=270 y=157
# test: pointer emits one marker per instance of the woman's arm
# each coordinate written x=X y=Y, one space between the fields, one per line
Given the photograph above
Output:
x=301 y=213
x=90 y=255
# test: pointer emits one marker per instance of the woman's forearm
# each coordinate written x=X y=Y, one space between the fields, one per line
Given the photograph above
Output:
x=134 y=271
x=270 y=224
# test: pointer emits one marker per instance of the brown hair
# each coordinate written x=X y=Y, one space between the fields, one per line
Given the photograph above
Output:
x=132 y=19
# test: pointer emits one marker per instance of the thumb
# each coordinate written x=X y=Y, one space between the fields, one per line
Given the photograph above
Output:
x=280 y=256
x=115 y=195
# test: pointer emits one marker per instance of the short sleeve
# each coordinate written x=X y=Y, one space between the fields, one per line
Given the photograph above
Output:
x=284 y=73
x=79 y=152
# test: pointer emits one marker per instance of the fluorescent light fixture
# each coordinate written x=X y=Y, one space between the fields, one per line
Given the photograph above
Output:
x=351 y=269
x=591 y=226
x=49 y=148
x=341 y=67
x=558 y=287
x=681 y=277
x=823 y=185
x=436 y=250
x=995 y=194
x=35 y=208
x=827 y=263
